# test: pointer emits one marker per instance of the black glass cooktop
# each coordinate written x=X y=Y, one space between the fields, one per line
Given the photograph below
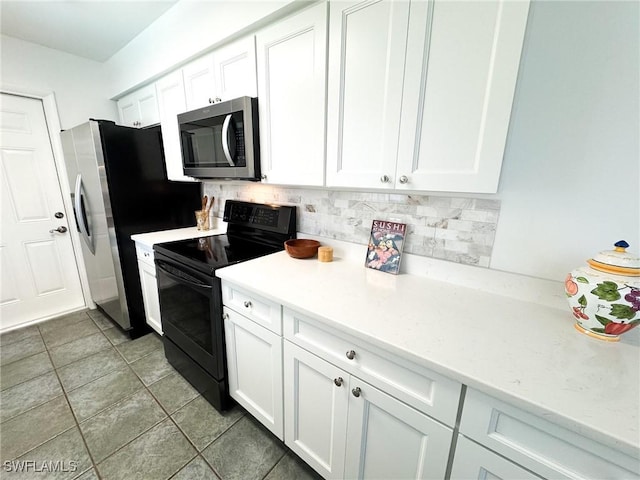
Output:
x=215 y=251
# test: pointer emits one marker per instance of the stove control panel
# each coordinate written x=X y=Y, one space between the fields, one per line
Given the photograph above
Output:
x=273 y=218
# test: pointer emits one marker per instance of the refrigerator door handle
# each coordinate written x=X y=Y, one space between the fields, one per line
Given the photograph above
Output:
x=81 y=216
x=225 y=140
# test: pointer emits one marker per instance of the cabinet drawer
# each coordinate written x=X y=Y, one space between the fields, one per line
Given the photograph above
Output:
x=417 y=386
x=543 y=447
x=262 y=311
x=144 y=253
x=473 y=461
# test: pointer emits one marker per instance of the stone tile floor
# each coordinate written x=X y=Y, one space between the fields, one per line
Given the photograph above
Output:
x=79 y=399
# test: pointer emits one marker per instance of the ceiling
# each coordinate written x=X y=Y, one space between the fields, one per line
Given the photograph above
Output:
x=94 y=29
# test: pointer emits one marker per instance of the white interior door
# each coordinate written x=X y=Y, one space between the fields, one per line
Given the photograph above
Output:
x=39 y=272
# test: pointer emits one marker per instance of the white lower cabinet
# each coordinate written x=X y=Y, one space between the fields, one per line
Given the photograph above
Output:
x=316 y=404
x=149 y=284
x=539 y=445
x=354 y=410
x=254 y=364
x=472 y=461
x=388 y=439
x=346 y=428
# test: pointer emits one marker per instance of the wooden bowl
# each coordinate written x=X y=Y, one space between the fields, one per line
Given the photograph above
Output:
x=301 y=247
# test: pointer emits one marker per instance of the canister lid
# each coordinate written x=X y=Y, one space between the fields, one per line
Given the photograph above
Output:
x=617 y=261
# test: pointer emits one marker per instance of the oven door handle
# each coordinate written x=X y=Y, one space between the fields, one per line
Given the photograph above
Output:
x=183 y=277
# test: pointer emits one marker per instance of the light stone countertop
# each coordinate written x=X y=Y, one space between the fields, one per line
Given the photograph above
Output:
x=527 y=354
x=151 y=238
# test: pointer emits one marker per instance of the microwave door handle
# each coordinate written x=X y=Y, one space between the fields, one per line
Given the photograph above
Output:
x=225 y=140
x=80 y=213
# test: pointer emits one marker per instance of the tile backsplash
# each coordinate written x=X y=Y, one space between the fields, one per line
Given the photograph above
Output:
x=457 y=229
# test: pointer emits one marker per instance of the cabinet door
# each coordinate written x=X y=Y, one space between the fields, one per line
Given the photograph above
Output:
x=461 y=69
x=235 y=69
x=150 y=295
x=388 y=439
x=148 y=106
x=199 y=83
x=171 y=101
x=366 y=65
x=128 y=111
x=472 y=461
x=140 y=108
x=254 y=362
x=315 y=404
x=291 y=56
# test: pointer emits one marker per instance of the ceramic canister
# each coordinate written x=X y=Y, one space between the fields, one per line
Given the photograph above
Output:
x=604 y=295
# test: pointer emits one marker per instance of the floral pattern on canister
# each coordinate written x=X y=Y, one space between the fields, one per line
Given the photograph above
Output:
x=604 y=304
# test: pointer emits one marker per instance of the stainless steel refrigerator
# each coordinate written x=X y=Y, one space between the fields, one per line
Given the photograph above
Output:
x=119 y=188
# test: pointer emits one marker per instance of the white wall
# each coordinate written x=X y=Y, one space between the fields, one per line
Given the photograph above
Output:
x=570 y=183
x=80 y=85
x=184 y=31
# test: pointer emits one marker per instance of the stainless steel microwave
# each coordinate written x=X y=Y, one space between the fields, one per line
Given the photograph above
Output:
x=221 y=140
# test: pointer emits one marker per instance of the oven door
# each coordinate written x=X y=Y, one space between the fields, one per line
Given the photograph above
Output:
x=191 y=313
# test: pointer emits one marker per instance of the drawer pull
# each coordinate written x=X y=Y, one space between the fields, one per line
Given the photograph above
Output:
x=146 y=254
x=356 y=392
x=351 y=354
x=225 y=316
x=247 y=304
x=338 y=381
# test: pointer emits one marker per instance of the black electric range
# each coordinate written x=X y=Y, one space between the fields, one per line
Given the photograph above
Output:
x=191 y=297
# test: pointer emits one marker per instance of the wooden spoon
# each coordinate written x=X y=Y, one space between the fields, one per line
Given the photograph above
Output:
x=204 y=202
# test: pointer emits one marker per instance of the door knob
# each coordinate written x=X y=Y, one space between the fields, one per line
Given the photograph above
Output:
x=58 y=215
x=385 y=179
x=356 y=392
x=60 y=229
x=403 y=179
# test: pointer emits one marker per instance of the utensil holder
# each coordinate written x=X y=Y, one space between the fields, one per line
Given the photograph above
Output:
x=202 y=220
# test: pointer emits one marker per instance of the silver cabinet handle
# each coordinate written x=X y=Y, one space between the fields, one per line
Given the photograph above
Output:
x=225 y=316
x=351 y=354
x=146 y=254
x=338 y=381
x=403 y=179
x=356 y=392
x=247 y=304
x=210 y=100
x=385 y=179
x=60 y=229
x=58 y=215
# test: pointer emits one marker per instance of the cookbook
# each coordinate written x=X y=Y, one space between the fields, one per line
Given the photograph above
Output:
x=384 y=251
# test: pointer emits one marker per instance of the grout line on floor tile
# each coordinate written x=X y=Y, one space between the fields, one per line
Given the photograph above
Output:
x=73 y=414
x=34 y=406
x=275 y=464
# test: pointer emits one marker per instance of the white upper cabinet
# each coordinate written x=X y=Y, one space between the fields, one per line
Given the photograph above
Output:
x=227 y=73
x=460 y=79
x=171 y=101
x=234 y=69
x=291 y=58
x=367 y=49
x=420 y=93
x=199 y=85
x=139 y=108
